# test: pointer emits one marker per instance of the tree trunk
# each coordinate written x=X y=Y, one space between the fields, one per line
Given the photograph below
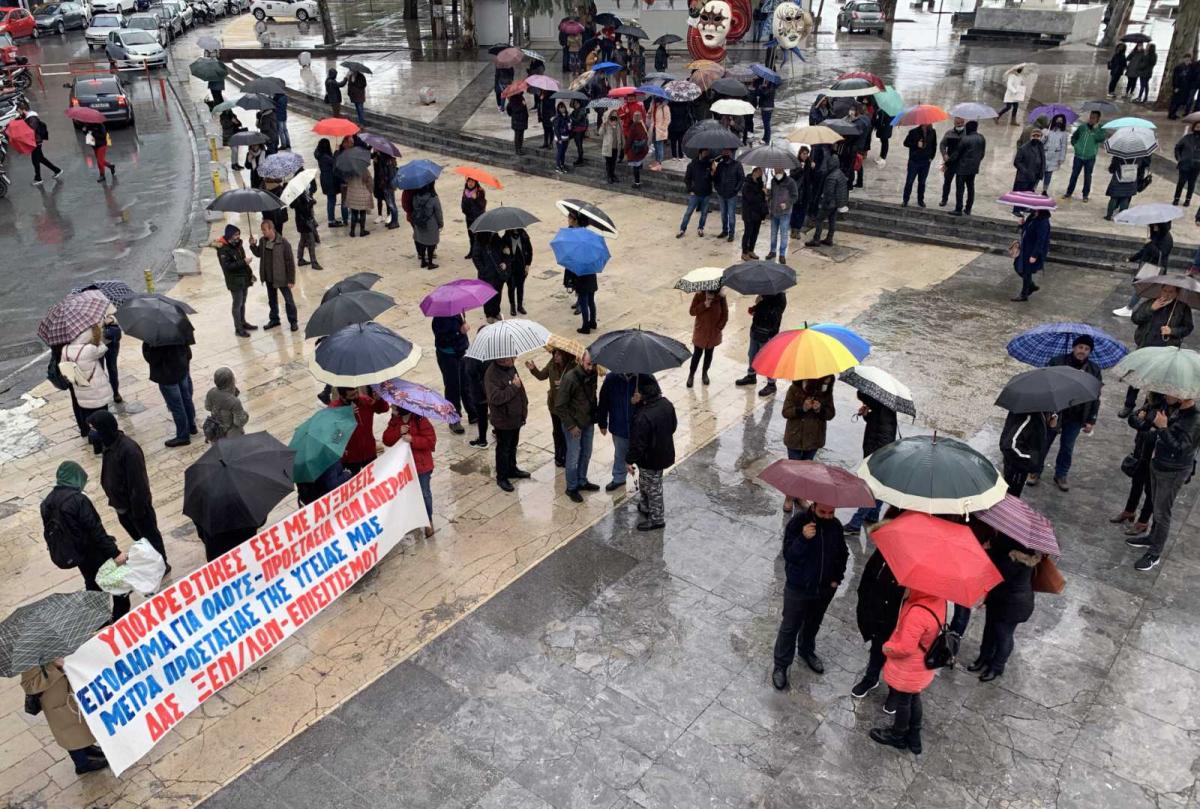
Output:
x=326 y=23
x=410 y=9
x=1117 y=21
x=467 y=40
x=1183 y=45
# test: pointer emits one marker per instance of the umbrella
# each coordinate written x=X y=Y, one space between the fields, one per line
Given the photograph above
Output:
x=1168 y=370
x=742 y=73
x=604 y=103
x=246 y=200
x=237 y=482
x=595 y=217
x=256 y=101
x=803 y=354
x=654 y=90
x=821 y=483
x=352 y=162
x=1187 y=288
x=932 y=474
x=514 y=89
x=765 y=73
x=1048 y=390
x=209 y=43
x=759 y=277
x=607 y=20
x=335 y=127
x=1099 y=105
x=1149 y=214
x=1129 y=123
x=769 y=157
x=416 y=174
x=542 y=82
x=320 y=440
x=116 y=291
x=581 y=81
x=1051 y=110
x=634 y=351
x=351 y=283
x=863 y=75
x=1131 y=143
x=357 y=67
x=729 y=87
x=208 y=69
x=49 y=628
x=667 y=39
x=936 y=556
x=973 y=111
x=227 y=104
x=1041 y=344
x=503 y=218
x=1014 y=518
x=418 y=399
x=363 y=354
x=478 y=175
x=622 y=92
x=701 y=279
x=1191 y=118
x=701 y=64
x=280 y=166
x=573 y=347
x=682 y=90
x=247 y=139
x=882 y=387
x=507 y=338
x=21 y=138
x=297 y=185
x=85 y=115
x=570 y=27
x=890 y=100
x=732 y=106
x=713 y=137
x=580 y=250
x=380 y=144
x=851 y=339
x=706 y=76
x=342 y=310
x=842 y=127
x=569 y=95
x=631 y=31
x=662 y=75
x=157 y=320
x=813 y=135
x=70 y=317
x=852 y=88
x=1136 y=38
x=606 y=67
x=1028 y=199
x=534 y=55
x=269 y=85
x=456 y=297
x=921 y=114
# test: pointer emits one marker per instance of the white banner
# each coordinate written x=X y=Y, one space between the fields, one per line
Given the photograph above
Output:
x=138 y=677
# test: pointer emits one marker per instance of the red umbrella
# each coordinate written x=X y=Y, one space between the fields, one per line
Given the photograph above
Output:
x=336 y=127
x=85 y=115
x=1014 y=518
x=570 y=27
x=921 y=114
x=936 y=556
x=509 y=57
x=820 y=483
x=20 y=136
x=514 y=89
x=621 y=92
x=862 y=74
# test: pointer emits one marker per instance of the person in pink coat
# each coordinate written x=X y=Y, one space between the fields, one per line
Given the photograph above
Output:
x=921 y=618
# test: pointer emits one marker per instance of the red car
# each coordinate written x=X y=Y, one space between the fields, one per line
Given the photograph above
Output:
x=17 y=22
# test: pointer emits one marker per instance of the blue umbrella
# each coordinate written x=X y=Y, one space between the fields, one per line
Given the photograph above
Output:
x=606 y=67
x=654 y=90
x=580 y=250
x=855 y=344
x=1131 y=123
x=416 y=174
x=765 y=73
x=1043 y=343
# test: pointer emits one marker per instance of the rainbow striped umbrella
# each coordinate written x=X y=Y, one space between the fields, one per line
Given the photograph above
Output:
x=803 y=354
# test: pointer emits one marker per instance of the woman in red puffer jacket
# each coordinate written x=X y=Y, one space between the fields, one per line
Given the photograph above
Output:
x=921 y=618
x=418 y=432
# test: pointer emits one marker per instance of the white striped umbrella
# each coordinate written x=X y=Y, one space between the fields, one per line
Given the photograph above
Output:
x=508 y=338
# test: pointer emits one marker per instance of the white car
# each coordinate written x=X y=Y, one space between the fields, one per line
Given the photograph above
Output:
x=113 y=6
x=135 y=48
x=151 y=24
x=301 y=10
x=102 y=25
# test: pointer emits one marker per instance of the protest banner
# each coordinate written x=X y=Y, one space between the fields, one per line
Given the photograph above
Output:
x=140 y=676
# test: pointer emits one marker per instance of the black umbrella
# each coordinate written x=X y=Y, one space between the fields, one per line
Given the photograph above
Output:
x=759 y=277
x=156 y=320
x=247 y=139
x=595 y=217
x=729 y=87
x=256 y=101
x=352 y=283
x=356 y=66
x=1099 y=105
x=569 y=95
x=236 y=483
x=503 y=218
x=352 y=162
x=668 y=39
x=714 y=139
x=1141 y=39
x=341 y=310
x=607 y=20
x=633 y=351
x=631 y=31
x=363 y=354
x=208 y=69
x=269 y=85
x=769 y=157
x=246 y=200
x=1048 y=390
x=842 y=127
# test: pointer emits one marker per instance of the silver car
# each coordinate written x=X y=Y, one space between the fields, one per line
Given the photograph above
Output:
x=152 y=24
x=102 y=25
x=135 y=49
x=860 y=15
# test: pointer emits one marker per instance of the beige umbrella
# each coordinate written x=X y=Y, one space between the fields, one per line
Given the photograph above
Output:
x=814 y=135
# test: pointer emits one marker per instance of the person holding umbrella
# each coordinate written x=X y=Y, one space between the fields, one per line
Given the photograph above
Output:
x=97 y=137
x=90 y=388
x=48 y=682
x=1085 y=142
x=1116 y=67
x=1023 y=444
x=170 y=369
x=418 y=433
x=1177 y=430
x=697 y=180
x=361 y=449
x=1074 y=420
x=40 y=135
x=1142 y=421
x=879 y=430
x=508 y=408
x=384 y=189
x=1162 y=321
x=357 y=90
x=710 y=310
x=238 y=276
x=651 y=449
x=560 y=362
x=1008 y=605
x=766 y=316
x=1033 y=247
x=472 y=205
x=921 y=142
x=575 y=405
x=125 y=482
x=516 y=252
x=358 y=191
x=808 y=407
x=921 y=619
x=276 y=269
x=1128 y=176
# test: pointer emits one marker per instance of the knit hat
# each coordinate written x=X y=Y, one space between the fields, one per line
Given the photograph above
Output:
x=231 y=231
x=1084 y=340
x=71 y=474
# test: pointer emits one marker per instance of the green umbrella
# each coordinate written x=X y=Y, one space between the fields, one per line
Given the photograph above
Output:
x=320 y=441
x=1168 y=370
x=227 y=104
x=889 y=100
x=207 y=69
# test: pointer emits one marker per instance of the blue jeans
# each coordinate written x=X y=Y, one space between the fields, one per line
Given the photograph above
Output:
x=660 y=147
x=728 y=214
x=693 y=203
x=755 y=346
x=358 y=112
x=1086 y=167
x=863 y=515
x=560 y=153
x=917 y=170
x=579 y=454
x=620 y=447
x=587 y=307
x=801 y=454
x=426 y=492
x=285 y=140
x=331 y=208
x=766 y=121
x=779 y=233
x=1069 y=431
x=179 y=401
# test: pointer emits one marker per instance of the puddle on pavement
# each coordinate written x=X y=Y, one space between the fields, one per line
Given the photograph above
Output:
x=479 y=463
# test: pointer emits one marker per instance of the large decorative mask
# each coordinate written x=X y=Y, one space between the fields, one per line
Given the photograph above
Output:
x=713 y=23
x=788 y=25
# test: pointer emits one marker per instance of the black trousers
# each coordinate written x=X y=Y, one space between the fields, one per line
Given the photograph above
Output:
x=143 y=526
x=516 y=291
x=578 y=138
x=518 y=140
x=424 y=253
x=997 y=643
x=40 y=160
x=454 y=382
x=610 y=166
x=801 y=621
x=675 y=139
x=698 y=352
x=1113 y=79
x=1140 y=484
x=1015 y=481
x=481 y=420
x=120 y=603
x=875 y=659
x=828 y=220
x=909 y=713
x=1187 y=179
x=750 y=229
x=492 y=307
x=560 y=441
x=947 y=184
x=506 y=452
x=547 y=135
x=961 y=182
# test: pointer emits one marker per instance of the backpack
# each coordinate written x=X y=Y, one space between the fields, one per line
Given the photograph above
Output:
x=943 y=652
x=422 y=213
x=62 y=547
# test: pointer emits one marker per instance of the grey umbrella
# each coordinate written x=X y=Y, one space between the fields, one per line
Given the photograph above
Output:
x=352 y=162
x=1149 y=214
x=208 y=69
x=269 y=85
x=1187 y=288
x=769 y=157
x=729 y=87
x=841 y=126
x=246 y=200
x=352 y=283
x=631 y=31
x=503 y=218
x=357 y=306
x=1131 y=143
x=973 y=111
x=50 y=628
x=256 y=101
x=852 y=88
x=1099 y=105
x=569 y=95
x=247 y=139
x=356 y=66
x=209 y=43
x=661 y=75
x=668 y=39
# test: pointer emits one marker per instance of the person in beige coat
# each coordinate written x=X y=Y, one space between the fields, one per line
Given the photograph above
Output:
x=49 y=683
x=360 y=196
x=612 y=144
x=660 y=122
x=89 y=384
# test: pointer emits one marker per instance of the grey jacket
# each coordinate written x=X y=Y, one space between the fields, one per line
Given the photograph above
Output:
x=782 y=196
x=224 y=406
x=835 y=190
x=427 y=209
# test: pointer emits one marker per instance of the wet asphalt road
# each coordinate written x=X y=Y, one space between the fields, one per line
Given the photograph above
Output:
x=69 y=232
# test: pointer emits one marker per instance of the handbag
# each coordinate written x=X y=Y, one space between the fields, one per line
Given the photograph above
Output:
x=89 y=139
x=1130 y=464
x=1047 y=578
x=1014 y=249
x=33 y=704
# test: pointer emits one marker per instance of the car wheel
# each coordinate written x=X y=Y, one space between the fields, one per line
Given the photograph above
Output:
x=259 y=14
x=60 y=29
x=91 y=47
x=301 y=15
x=35 y=33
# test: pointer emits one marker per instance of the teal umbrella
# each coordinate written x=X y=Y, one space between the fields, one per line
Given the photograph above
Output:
x=1134 y=123
x=320 y=441
x=890 y=101
x=228 y=104
x=1168 y=370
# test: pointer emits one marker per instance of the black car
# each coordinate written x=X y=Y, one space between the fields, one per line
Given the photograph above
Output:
x=104 y=94
x=60 y=17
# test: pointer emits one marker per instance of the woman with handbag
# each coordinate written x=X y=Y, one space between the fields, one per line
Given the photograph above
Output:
x=48 y=691
x=97 y=137
x=1031 y=249
x=82 y=364
x=904 y=670
x=1137 y=466
x=1008 y=604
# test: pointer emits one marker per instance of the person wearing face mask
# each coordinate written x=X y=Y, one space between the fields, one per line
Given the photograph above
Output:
x=754 y=211
x=1073 y=420
x=835 y=197
x=1054 y=143
x=781 y=196
x=947 y=148
x=1030 y=163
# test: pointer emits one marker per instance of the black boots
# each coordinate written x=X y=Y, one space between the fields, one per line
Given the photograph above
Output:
x=907 y=740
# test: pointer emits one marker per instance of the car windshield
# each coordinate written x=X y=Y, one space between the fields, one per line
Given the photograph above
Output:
x=50 y=9
x=139 y=38
x=106 y=22
x=95 y=87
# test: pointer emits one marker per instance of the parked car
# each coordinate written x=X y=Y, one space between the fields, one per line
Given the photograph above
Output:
x=17 y=23
x=105 y=94
x=131 y=48
x=284 y=9
x=96 y=34
x=153 y=24
x=861 y=15
x=58 y=18
x=237 y=6
x=113 y=6
x=184 y=11
x=169 y=19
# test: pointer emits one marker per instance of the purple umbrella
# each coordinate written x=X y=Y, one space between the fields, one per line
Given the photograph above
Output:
x=280 y=166
x=457 y=297
x=1050 y=110
x=1028 y=199
x=380 y=144
x=418 y=399
x=1016 y=520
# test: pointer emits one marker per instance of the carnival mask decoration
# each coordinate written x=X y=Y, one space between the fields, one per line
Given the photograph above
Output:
x=713 y=24
x=789 y=26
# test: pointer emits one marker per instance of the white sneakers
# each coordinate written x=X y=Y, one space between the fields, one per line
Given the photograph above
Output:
x=1124 y=311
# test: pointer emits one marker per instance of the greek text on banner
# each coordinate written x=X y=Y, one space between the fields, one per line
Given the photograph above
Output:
x=138 y=677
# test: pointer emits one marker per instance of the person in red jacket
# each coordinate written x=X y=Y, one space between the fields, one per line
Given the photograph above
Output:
x=419 y=433
x=921 y=618
x=361 y=449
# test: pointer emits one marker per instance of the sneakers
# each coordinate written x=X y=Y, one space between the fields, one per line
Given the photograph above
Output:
x=767 y=389
x=1124 y=311
x=1138 y=541
x=863 y=687
x=1148 y=562
x=574 y=496
x=748 y=379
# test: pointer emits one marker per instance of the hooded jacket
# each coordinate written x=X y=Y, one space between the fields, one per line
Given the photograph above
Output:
x=967 y=155
x=921 y=618
x=879 y=598
x=652 y=435
x=1149 y=322
x=427 y=219
x=90 y=380
x=1030 y=163
x=234 y=266
x=224 y=406
x=69 y=512
x=1023 y=442
x=122 y=469
x=813 y=565
x=508 y=404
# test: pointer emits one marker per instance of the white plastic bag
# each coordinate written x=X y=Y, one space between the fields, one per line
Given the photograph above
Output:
x=144 y=568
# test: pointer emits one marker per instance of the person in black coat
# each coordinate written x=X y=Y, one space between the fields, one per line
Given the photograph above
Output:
x=545 y=115
x=170 y=369
x=517 y=252
x=1116 y=68
x=1164 y=321
x=754 y=211
x=766 y=316
x=879 y=430
x=1073 y=420
x=491 y=268
x=1023 y=446
x=477 y=395
x=1181 y=88
x=518 y=115
x=1142 y=421
x=450 y=344
x=333 y=476
x=651 y=449
x=1009 y=604
x=681 y=120
x=330 y=184
x=966 y=158
x=814 y=555
x=1030 y=163
x=333 y=92
x=473 y=205
x=808 y=191
x=125 y=482
x=306 y=226
x=921 y=142
x=698 y=182
x=879 y=599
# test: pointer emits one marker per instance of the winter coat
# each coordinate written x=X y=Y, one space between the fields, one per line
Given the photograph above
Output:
x=879 y=428
x=473 y=203
x=968 y=154
x=1054 y=147
x=90 y=380
x=508 y=404
x=614 y=404
x=949 y=143
x=1087 y=412
x=920 y=621
x=1014 y=88
x=361 y=447
x=651 y=437
x=813 y=566
x=879 y=598
x=1117 y=62
x=1175 y=447
x=861 y=144
x=384 y=171
x=516 y=250
x=766 y=316
x=448 y=337
x=276 y=261
x=423 y=438
x=835 y=190
x=1023 y=442
x=710 y=320
x=575 y=400
x=475 y=372
x=1187 y=152
x=1149 y=322
x=218 y=544
x=1030 y=163
x=1086 y=140
x=681 y=116
x=728 y=177
x=612 y=137
x=427 y=219
x=518 y=114
x=806 y=428
x=236 y=269
x=78 y=519
x=330 y=184
x=360 y=192
x=62 y=713
x=1118 y=187
x=660 y=120
x=304 y=206
x=697 y=179
x=224 y=406
x=281 y=106
x=754 y=200
x=637 y=141
x=333 y=88
x=123 y=477
x=553 y=372
x=782 y=195
x=1011 y=601
x=268 y=126
x=1034 y=243
x=661 y=58
x=357 y=88
x=490 y=265
x=1146 y=69
x=169 y=365
x=230 y=126
x=921 y=144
